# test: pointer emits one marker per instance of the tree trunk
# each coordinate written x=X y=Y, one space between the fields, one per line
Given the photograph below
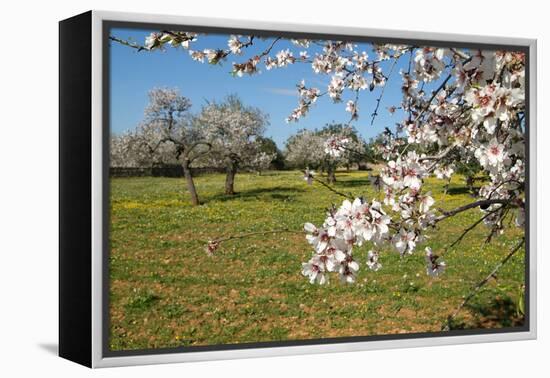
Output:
x=190 y=184
x=362 y=166
x=470 y=184
x=231 y=171
x=331 y=171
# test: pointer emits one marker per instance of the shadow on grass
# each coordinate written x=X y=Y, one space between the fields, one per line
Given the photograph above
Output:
x=352 y=183
x=458 y=190
x=278 y=193
x=499 y=313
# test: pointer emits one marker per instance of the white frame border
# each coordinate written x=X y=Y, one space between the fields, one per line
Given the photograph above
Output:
x=97 y=208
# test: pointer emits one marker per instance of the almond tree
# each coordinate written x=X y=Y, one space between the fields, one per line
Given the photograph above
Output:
x=169 y=124
x=261 y=161
x=233 y=131
x=305 y=149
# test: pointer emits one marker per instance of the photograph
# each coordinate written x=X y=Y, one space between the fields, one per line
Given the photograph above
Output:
x=278 y=189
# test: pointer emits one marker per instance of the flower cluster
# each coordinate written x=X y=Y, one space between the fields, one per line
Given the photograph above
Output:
x=429 y=63
x=235 y=45
x=404 y=172
x=352 y=224
x=493 y=105
x=173 y=38
x=249 y=67
x=308 y=96
x=351 y=106
x=211 y=56
x=434 y=267
x=335 y=146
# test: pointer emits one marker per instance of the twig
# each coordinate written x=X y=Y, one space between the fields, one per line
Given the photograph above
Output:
x=268 y=50
x=354 y=116
x=438 y=158
x=497 y=225
x=213 y=244
x=434 y=94
x=375 y=113
x=471 y=227
x=460 y=54
x=127 y=43
x=481 y=283
x=404 y=150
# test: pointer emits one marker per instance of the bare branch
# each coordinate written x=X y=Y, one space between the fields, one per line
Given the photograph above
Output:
x=196 y=144
x=375 y=113
x=133 y=45
x=471 y=227
x=213 y=244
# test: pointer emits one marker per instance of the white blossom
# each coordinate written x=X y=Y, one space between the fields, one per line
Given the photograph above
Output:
x=351 y=106
x=404 y=241
x=234 y=44
x=434 y=267
x=335 y=145
x=491 y=155
x=284 y=58
x=315 y=270
x=429 y=63
x=372 y=261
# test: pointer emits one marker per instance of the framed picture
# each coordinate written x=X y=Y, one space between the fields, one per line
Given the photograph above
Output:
x=236 y=189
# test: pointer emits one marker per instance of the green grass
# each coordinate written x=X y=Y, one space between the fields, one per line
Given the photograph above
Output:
x=166 y=292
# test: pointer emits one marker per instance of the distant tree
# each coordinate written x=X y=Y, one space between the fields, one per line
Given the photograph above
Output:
x=233 y=130
x=333 y=146
x=261 y=162
x=343 y=147
x=305 y=149
x=269 y=146
x=127 y=151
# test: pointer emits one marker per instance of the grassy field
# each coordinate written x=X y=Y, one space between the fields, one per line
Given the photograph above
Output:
x=166 y=292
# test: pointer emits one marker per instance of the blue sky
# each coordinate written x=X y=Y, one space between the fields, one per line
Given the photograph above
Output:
x=134 y=73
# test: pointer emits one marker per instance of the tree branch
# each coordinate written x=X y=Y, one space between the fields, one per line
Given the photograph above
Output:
x=196 y=144
x=472 y=205
x=471 y=227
